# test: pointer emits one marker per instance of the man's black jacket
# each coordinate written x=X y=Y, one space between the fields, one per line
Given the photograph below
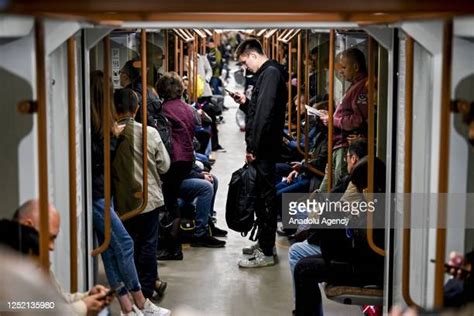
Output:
x=265 y=112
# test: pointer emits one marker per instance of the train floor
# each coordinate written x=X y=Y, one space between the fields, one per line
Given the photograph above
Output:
x=208 y=280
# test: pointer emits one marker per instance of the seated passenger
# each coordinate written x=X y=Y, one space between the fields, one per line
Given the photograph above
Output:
x=310 y=247
x=127 y=175
x=301 y=178
x=201 y=187
x=89 y=303
x=350 y=246
x=181 y=118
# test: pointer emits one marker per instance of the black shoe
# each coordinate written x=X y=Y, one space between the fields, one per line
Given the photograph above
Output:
x=208 y=242
x=217 y=232
x=167 y=255
x=160 y=287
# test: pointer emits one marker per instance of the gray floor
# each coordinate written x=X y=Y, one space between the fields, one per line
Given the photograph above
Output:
x=209 y=280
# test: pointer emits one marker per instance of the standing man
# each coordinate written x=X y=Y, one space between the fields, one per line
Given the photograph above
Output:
x=350 y=117
x=265 y=119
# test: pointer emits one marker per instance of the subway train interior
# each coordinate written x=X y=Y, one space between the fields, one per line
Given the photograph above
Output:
x=67 y=67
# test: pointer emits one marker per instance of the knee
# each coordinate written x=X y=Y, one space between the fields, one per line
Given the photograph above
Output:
x=293 y=252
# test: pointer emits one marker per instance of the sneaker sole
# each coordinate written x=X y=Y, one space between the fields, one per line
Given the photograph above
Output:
x=259 y=266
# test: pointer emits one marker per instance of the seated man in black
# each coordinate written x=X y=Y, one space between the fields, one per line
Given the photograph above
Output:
x=342 y=245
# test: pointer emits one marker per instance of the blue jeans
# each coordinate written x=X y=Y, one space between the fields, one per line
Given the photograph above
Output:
x=299 y=251
x=204 y=193
x=118 y=258
x=299 y=185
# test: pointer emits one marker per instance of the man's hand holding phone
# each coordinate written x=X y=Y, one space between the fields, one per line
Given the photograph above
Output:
x=237 y=96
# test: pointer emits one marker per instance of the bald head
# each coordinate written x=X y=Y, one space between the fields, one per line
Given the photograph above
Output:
x=28 y=214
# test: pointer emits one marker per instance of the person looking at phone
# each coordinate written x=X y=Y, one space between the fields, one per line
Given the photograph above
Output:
x=265 y=119
x=350 y=117
x=89 y=303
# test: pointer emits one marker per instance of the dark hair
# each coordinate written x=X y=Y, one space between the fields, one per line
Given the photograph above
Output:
x=126 y=101
x=170 y=86
x=97 y=102
x=21 y=238
x=360 y=173
x=131 y=69
x=356 y=56
x=247 y=46
x=359 y=148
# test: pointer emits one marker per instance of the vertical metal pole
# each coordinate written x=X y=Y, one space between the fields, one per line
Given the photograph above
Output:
x=42 y=144
x=71 y=56
x=330 y=109
x=177 y=51
x=195 y=65
x=443 y=162
x=289 y=86
x=306 y=68
x=181 y=58
x=166 y=53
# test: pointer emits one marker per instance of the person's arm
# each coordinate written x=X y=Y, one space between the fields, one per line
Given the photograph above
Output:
x=349 y=121
x=207 y=69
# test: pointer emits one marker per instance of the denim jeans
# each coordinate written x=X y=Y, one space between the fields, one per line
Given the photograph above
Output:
x=118 y=258
x=301 y=250
x=144 y=231
x=204 y=194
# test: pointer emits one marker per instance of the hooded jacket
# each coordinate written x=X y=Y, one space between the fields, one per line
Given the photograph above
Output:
x=265 y=111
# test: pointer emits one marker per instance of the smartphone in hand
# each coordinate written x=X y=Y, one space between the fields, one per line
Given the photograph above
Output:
x=448 y=267
x=232 y=94
x=108 y=294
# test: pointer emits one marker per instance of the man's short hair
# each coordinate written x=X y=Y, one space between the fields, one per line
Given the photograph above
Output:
x=359 y=148
x=356 y=56
x=248 y=46
x=126 y=101
x=170 y=86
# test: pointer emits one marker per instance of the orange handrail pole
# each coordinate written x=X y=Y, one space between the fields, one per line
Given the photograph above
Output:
x=177 y=51
x=137 y=211
x=42 y=144
x=166 y=48
x=195 y=66
x=298 y=99
x=289 y=86
x=443 y=162
x=71 y=57
x=371 y=148
x=330 y=108
x=106 y=135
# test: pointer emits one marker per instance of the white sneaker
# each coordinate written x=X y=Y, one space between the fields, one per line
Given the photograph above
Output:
x=150 y=309
x=135 y=312
x=258 y=260
x=250 y=250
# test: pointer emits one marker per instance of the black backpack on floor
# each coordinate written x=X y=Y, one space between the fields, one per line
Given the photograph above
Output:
x=240 y=205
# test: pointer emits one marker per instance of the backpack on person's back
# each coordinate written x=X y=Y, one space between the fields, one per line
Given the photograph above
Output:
x=156 y=118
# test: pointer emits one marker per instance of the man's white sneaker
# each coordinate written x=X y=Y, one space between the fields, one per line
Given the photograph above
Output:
x=135 y=312
x=250 y=250
x=150 y=309
x=258 y=260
